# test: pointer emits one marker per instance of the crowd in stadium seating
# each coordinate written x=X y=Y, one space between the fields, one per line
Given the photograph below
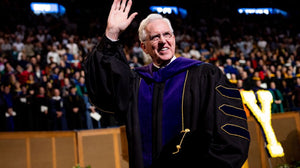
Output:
x=42 y=78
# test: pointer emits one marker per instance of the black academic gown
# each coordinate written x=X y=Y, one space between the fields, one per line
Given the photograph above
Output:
x=213 y=127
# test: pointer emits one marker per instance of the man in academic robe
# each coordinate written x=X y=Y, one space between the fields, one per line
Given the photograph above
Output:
x=75 y=108
x=41 y=110
x=178 y=112
x=57 y=111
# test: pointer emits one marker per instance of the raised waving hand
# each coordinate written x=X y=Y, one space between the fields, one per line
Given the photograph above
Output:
x=118 y=19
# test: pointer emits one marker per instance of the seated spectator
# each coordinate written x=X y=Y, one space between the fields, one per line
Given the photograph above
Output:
x=213 y=58
x=269 y=77
x=204 y=52
x=61 y=50
x=277 y=105
x=262 y=43
x=66 y=87
x=18 y=44
x=186 y=52
x=137 y=51
x=72 y=46
x=54 y=74
x=22 y=60
x=16 y=88
x=75 y=77
x=233 y=79
x=38 y=73
x=2 y=66
x=75 y=63
x=68 y=56
x=8 y=71
x=257 y=86
x=296 y=94
x=6 y=46
x=81 y=87
x=30 y=81
x=194 y=52
x=134 y=62
x=229 y=68
x=29 y=47
x=53 y=55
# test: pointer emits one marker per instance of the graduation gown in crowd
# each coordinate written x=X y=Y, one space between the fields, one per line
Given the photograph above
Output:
x=41 y=113
x=186 y=114
x=57 y=123
x=3 y=109
x=24 y=110
x=75 y=120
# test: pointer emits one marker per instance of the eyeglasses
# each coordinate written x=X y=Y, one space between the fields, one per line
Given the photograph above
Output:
x=157 y=37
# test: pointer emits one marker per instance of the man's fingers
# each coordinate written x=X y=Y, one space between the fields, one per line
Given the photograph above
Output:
x=132 y=16
x=116 y=4
x=118 y=19
x=123 y=4
x=128 y=6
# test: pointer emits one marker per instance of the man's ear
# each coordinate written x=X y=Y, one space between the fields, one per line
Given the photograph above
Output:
x=143 y=46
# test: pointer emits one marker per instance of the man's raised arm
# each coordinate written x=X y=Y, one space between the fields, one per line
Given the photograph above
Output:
x=107 y=72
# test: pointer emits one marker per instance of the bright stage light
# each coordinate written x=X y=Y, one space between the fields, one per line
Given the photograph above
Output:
x=169 y=10
x=51 y=8
x=261 y=11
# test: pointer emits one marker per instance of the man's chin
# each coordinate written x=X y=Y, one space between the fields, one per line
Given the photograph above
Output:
x=165 y=58
x=164 y=61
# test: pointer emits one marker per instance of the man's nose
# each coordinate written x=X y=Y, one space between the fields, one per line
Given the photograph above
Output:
x=162 y=39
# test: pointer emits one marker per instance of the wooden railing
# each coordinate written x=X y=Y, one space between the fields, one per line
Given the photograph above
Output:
x=107 y=148
x=38 y=149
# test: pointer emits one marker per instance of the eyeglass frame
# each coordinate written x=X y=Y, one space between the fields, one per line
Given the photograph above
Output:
x=155 y=38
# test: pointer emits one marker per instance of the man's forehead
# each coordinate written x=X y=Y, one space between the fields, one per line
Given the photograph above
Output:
x=157 y=26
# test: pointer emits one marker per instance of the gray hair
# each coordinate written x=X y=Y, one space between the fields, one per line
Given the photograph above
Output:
x=149 y=19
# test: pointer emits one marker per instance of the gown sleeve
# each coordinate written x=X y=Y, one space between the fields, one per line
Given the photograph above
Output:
x=107 y=76
x=229 y=143
x=223 y=122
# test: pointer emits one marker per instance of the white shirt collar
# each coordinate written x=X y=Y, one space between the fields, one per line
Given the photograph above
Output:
x=56 y=97
x=172 y=59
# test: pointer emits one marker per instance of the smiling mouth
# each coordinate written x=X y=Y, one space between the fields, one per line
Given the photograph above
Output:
x=164 y=49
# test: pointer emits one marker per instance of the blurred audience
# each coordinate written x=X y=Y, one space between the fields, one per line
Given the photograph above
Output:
x=42 y=78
